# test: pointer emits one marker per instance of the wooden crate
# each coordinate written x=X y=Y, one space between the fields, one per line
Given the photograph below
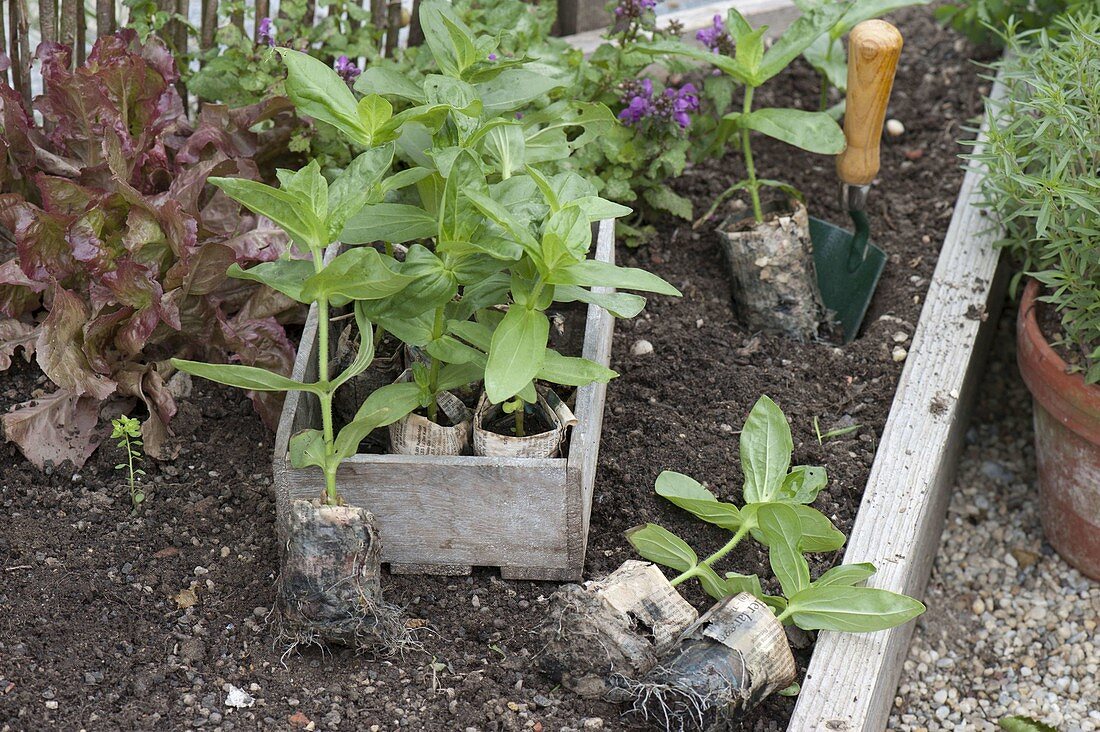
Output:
x=445 y=515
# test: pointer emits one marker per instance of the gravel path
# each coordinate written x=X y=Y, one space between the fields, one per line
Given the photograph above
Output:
x=1011 y=628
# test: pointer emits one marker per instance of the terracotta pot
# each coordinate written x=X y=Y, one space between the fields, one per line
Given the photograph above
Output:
x=1067 y=443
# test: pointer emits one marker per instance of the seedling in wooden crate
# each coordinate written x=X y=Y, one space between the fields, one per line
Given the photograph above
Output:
x=329 y=584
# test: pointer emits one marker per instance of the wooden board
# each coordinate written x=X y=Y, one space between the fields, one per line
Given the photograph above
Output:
x=852 y=678
x=444 y=515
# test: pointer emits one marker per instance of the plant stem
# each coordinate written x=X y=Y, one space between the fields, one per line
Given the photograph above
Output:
x=433 y=371
x=519 y=419
x=331 y=497
x=784 y=615
x=746 y=149
x=130 y=462
x=726 y=549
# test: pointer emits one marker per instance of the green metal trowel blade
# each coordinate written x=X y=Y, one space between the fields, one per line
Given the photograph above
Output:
x=848 y=269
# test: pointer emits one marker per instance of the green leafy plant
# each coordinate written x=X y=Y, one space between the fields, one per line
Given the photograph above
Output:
x=826 y=54
x=491 y=241
x=776 y=513
x=114 y=249
x=750 y=66
x=1040 y=182
x=127 y=431
x=984 y=21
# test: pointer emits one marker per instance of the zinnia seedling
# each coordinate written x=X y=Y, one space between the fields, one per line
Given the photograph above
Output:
x=751 y=66
x=776 y=513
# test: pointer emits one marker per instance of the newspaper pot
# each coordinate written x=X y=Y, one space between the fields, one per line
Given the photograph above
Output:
x=415 y=434
x=1067 y=443
x=772 y=275
x=549 y=409
x=329 y=589
x=610 y=631
x=731 y=659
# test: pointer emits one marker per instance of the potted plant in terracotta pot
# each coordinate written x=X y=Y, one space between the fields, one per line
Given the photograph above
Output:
x=1041 y=185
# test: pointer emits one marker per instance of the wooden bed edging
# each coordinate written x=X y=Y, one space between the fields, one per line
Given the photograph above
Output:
x=852 y=678
x=445 y=515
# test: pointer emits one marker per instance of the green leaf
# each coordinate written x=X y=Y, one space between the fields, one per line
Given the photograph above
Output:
x=361 y=273
x=384 y=406
x=846 y=575
x=502 y=216
x=766 y=447
x=433 y=285
x=389 y=82
x=319 y=92
x=356 y=187
x=791 y=690
x=678 y=48
x=782 y=532
x=804 y=31
x=818 y=532
x=689 y=495
x=1020 y=723
x=284 y=275
x=572 y=371
x=396 y=223
x=826 y=55
x=307 y=449
x=566 y=238
x=813 y=131
x=374 y=112
x=456 y=375
x=661 y=546
x=243 y=377
x=619 y=304
x=451 y=42
x=365 y=354
x=591 y=272
x=598 y=209
x=285 y=209
x=514 y=88
x=737 y=583
x=802 y=484
x=851 y=609
x=712 y=584
x=663 y=198
x=516 y=353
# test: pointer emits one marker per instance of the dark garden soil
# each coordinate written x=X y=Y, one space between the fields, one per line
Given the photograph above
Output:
x=114 y=621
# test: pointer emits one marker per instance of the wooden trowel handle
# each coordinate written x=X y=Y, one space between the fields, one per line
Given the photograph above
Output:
x=873 y=50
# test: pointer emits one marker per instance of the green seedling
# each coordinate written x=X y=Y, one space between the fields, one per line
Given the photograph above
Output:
x=776 y=514
x=838 y=432
x=750 y=67
x=127 y=431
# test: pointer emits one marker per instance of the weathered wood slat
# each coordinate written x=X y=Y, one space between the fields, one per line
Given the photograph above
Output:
x=105 y=20
x=443 y=514
x=584 y=447
x=852 y=678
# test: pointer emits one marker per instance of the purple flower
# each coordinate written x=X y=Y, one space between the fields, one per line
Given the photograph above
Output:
x=636 y=110
x=346 y=69
x=634 y=8
x=492 y=57
x=265 y=34
x=672 y=105
x=714 y=37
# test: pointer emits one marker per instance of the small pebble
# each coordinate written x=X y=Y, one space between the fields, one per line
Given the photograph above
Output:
x=641 y=348
x=894 y=128
x=899 y=354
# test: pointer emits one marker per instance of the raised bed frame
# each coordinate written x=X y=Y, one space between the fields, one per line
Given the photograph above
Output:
x=853 y=678
x=445 y=515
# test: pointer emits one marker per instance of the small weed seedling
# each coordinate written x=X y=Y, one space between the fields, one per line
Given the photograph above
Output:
x=838 y=432
x=127 y=431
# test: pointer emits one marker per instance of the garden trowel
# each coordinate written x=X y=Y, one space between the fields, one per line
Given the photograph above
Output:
x=848 y=264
